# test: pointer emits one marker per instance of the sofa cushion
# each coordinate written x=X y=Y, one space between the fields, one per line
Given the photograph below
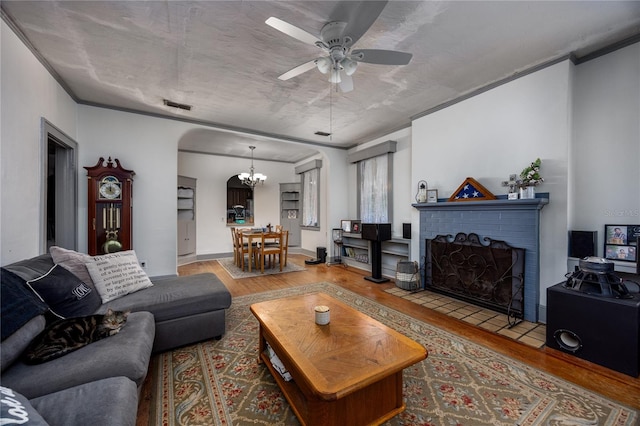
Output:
x=18 y=305
x=13 y=346
x=65 y=294
x=74 y=262
x=29 y=269
x=106 y=402
x=124 y=354
x=177 y=297
x=15 y=409
x=117 y=274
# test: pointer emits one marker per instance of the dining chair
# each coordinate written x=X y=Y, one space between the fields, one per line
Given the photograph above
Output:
x=269 y=250
x=234 y=241
x=242 y=249
x=285 y=246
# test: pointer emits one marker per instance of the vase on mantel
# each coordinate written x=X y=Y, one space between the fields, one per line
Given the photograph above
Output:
x=527 y=192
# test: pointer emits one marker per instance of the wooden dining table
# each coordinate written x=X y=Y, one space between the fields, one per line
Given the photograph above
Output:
x=251 y=234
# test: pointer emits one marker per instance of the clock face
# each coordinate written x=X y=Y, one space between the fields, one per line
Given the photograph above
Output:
x=110 y=188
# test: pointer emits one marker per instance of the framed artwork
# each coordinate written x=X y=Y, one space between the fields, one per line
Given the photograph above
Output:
x=355 y=227
x=345 y=225
x=432 y=195
x=621 y=242
x=471 y=190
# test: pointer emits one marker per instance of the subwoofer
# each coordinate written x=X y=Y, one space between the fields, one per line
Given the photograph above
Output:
x=605 y=331
x=376 y=233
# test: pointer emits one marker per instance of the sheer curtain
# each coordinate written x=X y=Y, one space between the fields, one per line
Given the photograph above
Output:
x=310 y=194
x=374 y=198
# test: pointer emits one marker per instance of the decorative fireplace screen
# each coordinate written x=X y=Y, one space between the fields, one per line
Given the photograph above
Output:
x=490 y=275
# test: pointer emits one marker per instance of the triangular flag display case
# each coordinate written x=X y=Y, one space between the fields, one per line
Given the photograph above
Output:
x=471 y=190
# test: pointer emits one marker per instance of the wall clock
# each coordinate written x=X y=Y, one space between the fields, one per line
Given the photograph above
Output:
x=109 y=207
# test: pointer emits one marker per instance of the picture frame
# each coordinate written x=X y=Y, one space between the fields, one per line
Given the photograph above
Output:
x=345 y=225
x=432 y=195
x=621 y=242
x=355 y=227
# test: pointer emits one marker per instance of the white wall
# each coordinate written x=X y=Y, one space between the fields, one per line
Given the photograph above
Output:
x=149 y=146
x=28 y=94
x=498 y=133
x=605 y=176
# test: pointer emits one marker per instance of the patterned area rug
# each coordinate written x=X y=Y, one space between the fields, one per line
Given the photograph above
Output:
x=460 y=383
x=236 y=273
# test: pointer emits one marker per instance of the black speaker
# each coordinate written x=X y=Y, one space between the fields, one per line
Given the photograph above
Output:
x=406 y=231
x=376 y=231
x=603 y=330
x=321 y=253
x=582 y=243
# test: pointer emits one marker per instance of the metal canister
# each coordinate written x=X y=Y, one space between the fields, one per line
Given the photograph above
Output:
x=322 y=315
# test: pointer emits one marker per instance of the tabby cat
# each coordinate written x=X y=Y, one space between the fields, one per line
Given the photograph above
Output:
x=70 y=334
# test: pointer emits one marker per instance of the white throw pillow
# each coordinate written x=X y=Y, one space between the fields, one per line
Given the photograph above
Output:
x=117 y=274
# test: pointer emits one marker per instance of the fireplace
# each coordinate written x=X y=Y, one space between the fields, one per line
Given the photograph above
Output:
x=515 y=222
x=489 y=275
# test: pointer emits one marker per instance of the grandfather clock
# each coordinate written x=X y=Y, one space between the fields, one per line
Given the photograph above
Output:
x=109 y=207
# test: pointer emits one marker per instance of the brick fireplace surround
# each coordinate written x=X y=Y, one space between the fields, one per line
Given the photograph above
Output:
x=516 y=222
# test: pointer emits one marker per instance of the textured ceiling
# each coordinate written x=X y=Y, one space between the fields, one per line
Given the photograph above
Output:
x=220 y=57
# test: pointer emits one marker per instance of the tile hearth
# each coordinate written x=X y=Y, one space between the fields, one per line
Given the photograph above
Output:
x=532 y=334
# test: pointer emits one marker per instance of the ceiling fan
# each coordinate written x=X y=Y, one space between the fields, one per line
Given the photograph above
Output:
x=347 y=24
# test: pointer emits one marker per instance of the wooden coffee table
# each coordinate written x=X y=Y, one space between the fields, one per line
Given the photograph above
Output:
x=348 y=372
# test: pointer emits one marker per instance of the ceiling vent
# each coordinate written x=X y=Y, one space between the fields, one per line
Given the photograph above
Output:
x=185 y=107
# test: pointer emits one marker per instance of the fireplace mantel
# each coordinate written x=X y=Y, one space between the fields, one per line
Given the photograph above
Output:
x=499 y=204
x=517 y=222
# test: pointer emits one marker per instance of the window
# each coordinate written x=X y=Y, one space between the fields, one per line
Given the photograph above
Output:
x=375 y=178
x=373 y=182
x=310 y=176
x=310 y=198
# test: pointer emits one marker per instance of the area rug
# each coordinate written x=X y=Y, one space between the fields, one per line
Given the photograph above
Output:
x=460 y=383
x=237 y=273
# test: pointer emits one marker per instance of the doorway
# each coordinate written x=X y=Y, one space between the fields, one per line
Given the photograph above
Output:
x=60 y=181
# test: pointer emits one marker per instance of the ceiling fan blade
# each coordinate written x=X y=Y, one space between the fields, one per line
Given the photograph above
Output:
x=346 y=83
x=292 y=30
x=298 y=70
x=382 y=57
x=359 y=16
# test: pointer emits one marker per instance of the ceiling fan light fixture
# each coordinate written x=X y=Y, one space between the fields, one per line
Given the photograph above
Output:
x=335 y=76
x=323 y=64
x=349 y=66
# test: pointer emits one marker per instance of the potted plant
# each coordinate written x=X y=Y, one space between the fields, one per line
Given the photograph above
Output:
x=529 y=179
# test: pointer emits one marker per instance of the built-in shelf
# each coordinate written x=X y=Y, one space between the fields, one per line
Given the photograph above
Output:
x=290 y=211
x=356 y=252
x=186 y=217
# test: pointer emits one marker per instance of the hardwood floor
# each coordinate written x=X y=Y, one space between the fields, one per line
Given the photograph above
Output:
x=609 y=383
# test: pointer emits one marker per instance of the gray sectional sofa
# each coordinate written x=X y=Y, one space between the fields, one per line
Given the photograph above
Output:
x=99 y=384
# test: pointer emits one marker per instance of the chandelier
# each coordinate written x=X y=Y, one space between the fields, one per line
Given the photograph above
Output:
x=252 y=179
